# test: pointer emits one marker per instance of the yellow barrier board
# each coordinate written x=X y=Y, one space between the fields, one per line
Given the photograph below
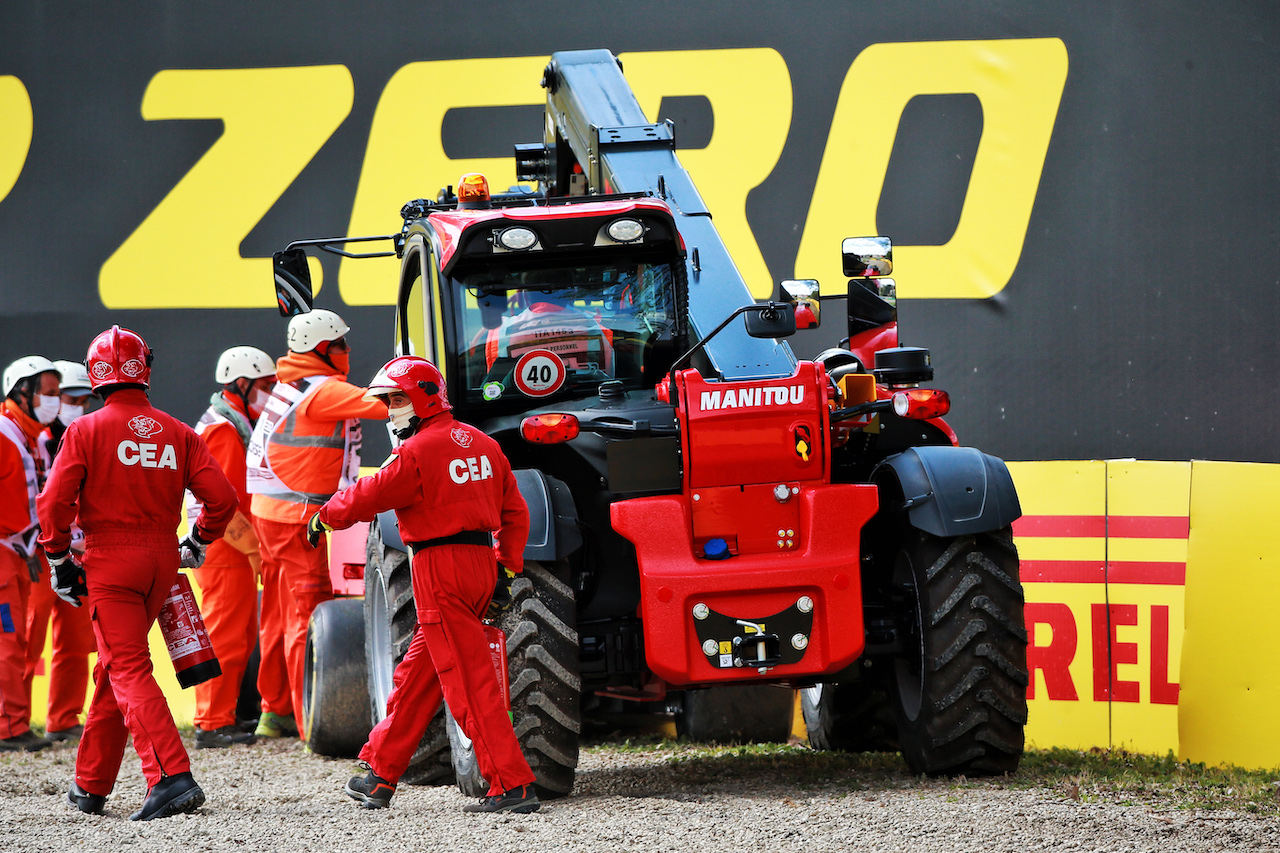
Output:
x=1230 y=674
x=1103 y=547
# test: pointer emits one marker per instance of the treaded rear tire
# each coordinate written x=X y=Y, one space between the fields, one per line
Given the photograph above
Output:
x=960 y=698
x=546 y=690
x=390 y=618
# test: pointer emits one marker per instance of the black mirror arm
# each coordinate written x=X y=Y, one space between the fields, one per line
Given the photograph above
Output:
x=329 y=244
x=701 y=344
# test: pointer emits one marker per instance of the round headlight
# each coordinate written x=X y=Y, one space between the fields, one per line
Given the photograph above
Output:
x=625 y=230
x=517 y=239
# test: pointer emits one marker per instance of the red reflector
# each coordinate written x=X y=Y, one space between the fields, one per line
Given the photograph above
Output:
x=921 y=403
x=352 y=571
x=549 y=429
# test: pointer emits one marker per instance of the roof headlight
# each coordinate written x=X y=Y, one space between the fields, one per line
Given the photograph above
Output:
x=626 y=230
x=517 y=239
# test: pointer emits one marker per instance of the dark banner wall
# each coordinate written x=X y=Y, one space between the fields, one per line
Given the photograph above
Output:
x=1121 y=160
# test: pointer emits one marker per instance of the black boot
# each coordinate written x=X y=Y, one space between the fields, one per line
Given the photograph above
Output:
x=372 y=791
x=222 y=738
x=81 y=799
x=172 y=795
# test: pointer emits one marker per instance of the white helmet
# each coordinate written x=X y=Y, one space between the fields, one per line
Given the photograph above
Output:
x=27 y=366
x=75 y=378
x=308 y=331
x=243 y=363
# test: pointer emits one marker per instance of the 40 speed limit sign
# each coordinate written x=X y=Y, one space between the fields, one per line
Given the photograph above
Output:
x=539 y=372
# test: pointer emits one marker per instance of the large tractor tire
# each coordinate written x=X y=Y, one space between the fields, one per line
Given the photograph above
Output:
x=546 y=690
x=851 y=716
x=390 y=619
x=961 y=690
x=333 y=687
x=751 y=713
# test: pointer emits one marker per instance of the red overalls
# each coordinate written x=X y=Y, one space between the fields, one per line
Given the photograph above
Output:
x=447 y=478
x=126 y=466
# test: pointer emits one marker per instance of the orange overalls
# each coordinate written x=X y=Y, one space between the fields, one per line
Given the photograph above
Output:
x=229 y=576
x=68 y=668
x=22 y=467
x=305 y=445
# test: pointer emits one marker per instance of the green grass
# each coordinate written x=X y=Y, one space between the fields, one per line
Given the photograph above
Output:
x=1091 y=776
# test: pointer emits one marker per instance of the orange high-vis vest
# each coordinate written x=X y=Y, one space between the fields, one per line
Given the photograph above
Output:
x=300 y=469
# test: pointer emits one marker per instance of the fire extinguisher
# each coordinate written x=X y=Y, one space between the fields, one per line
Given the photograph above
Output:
x=497 y=642
x=188 y=642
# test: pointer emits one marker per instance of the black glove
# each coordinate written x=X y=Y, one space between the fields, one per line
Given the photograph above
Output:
x=191 y=550
x=315 y=529
x=67 y=577
x=501 y=593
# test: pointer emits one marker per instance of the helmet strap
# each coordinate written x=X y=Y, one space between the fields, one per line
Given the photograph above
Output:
x=414 y=423
x=242 y=393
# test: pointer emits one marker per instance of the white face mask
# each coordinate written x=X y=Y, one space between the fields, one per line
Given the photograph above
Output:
x=401 y=417
x=46 y=408
x=68 y=413
x=258 y=403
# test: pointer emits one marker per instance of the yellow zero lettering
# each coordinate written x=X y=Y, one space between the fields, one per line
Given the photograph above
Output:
x=18 y=123
x=1019 y=83
x=412 y=107
x=275 y=121
x=750 y=94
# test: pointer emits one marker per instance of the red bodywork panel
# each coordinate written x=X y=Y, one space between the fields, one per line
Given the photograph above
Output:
x=346 y=559
x=743 y=443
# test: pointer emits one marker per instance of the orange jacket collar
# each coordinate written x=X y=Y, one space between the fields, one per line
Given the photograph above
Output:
x=296 y=365
x=29 y=425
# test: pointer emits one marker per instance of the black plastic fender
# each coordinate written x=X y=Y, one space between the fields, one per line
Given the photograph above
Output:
x=951 y=491
x=553 y=518
x=391 y=531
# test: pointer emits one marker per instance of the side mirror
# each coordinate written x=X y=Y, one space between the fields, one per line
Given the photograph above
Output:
x=867 y=257
x=293 y=282
x=772 y=320
x=492 y=306
x=802 y=295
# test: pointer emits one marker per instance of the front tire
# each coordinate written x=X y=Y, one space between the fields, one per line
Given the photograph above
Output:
x=960 y=691
x=390 y=618
x=333 y=706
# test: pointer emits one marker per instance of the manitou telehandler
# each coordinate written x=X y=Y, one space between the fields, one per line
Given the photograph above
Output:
x=715 y=523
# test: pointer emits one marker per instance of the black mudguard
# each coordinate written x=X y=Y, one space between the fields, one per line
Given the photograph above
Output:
x=553 y=519
x=952 y=491
x=390 y=531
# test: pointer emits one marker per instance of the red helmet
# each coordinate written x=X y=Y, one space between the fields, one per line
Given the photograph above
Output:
x=119 y=357
x=415 y=377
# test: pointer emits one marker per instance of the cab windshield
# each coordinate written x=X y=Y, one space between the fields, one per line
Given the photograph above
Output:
x=530 y=333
